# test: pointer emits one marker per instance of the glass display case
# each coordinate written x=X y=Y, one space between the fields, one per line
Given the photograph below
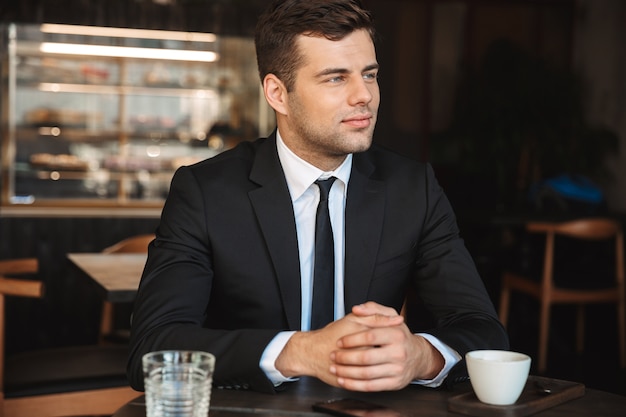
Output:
x=95 y=116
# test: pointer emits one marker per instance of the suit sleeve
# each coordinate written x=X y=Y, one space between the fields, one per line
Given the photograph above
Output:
x=449 y=285
x=174 y=293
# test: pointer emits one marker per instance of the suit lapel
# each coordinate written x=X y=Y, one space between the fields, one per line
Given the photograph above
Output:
x=274 y=211
x=365 y=208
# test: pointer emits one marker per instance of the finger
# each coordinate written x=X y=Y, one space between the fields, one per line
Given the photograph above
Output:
x=358 y=356
x=371 y=307
x=365 y=339
x=371 y=385
x=374 y=337
x=370 y=369
x=377 y=320
x=369 y=372
x=369 y=351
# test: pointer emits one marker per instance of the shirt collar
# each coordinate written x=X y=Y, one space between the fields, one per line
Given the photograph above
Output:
x=300 y=174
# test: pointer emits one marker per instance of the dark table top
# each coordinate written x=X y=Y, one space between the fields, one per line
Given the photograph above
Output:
x=297 y=398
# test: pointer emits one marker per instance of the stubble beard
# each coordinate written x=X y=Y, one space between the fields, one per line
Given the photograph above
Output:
x=336 y=143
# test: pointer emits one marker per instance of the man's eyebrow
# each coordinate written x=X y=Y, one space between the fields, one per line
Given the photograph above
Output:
x=329 y=71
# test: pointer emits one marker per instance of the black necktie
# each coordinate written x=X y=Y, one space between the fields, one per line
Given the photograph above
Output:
x=323 y=305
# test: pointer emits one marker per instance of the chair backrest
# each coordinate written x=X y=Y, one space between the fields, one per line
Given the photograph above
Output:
x=591 y=229
x=588 y=229
x=21 y=266
x=17 y=288
x=14 y=287
x=133 y=244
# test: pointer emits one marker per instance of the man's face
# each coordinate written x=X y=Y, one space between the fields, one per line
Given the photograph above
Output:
x=332 y=109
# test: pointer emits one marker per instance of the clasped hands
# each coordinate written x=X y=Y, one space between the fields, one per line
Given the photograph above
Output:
x=370 y=349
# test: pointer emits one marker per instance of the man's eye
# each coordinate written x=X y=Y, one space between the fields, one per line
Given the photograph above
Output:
x=336 y=79
x=370 y=75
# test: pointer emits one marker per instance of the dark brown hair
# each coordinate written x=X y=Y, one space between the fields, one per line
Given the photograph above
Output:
x=284 y=20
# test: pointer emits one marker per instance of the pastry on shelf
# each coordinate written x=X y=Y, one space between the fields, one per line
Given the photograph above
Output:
x=59 y=162
x=44 y=116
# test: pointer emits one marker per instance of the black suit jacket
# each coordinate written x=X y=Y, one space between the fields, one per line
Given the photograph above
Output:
x=223 y=273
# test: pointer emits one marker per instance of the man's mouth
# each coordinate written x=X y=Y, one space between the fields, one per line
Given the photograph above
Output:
x=360 y=122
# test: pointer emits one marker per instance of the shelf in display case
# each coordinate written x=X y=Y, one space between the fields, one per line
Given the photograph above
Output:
x=122 y=109
x=149 y=131
x=123 y=89
x=51 y=131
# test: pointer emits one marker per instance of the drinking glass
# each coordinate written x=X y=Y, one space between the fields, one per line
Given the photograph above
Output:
x=178 y=383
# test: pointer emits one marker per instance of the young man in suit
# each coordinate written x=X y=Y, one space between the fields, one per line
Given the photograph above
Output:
x=231 y=270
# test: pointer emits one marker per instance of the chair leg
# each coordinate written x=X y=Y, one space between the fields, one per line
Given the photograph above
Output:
x=580 y=329
x=544 y=329
x=505 y=298
x=621 y=331
x=106 y=321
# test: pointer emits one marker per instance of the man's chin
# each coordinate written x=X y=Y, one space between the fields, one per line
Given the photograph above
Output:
x=362 y=148
x=361 y=145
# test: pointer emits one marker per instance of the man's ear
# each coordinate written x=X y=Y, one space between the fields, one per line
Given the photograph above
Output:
x=275 y=93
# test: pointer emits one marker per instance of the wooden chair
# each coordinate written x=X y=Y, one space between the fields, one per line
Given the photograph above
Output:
x=23 y=266
x=547 y=292
x=133 y=244
x=68 y=381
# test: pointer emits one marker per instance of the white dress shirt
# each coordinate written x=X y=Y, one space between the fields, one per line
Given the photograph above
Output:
x=305 y=197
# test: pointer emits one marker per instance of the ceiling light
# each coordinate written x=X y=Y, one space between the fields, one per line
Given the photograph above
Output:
x=128 y=52
x=127 y=33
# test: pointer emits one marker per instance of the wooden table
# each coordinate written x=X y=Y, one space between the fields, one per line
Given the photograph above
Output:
x=296 y=400
x=117 y=275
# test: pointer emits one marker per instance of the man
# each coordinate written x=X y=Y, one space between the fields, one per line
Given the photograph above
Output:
x=231 y=270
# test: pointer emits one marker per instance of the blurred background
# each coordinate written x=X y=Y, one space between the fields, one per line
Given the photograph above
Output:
x=500 y=96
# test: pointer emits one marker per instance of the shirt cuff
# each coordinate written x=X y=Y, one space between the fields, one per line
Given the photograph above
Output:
x=268 y=359
x=450 y=356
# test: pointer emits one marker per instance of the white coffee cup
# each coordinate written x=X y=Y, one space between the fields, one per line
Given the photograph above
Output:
x=498 y=377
